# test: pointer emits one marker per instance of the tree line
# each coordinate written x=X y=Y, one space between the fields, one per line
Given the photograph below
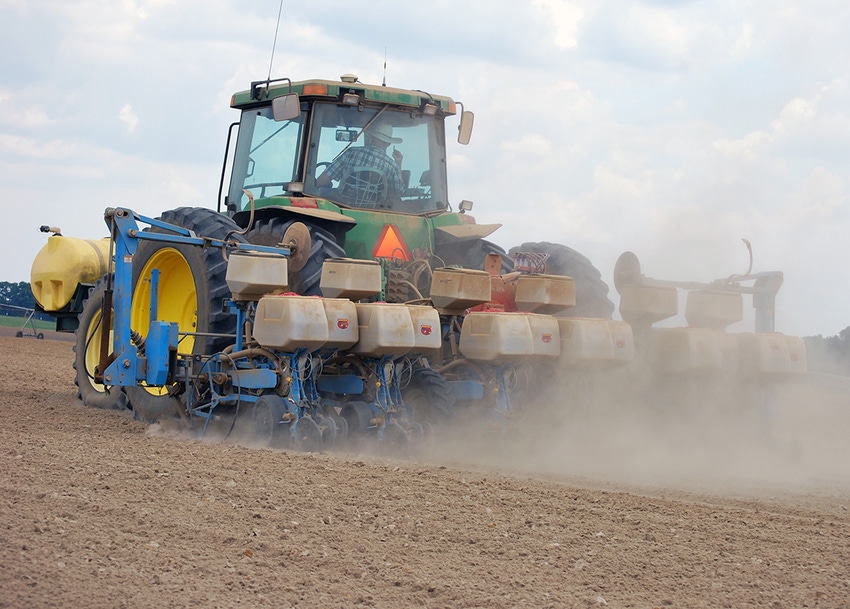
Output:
x=18 y=295
x=830 y=354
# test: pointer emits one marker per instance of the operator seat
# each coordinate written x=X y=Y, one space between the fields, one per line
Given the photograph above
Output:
x=364 y=187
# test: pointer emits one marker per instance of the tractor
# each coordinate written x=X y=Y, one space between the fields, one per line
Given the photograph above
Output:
x=279 y=185
x=334 y=290
x=288 y=179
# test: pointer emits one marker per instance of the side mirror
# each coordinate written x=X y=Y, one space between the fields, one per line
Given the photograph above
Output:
x=286 y=107
x=465 y=127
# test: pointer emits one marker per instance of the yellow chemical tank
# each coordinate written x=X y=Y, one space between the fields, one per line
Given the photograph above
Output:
x=62 y=264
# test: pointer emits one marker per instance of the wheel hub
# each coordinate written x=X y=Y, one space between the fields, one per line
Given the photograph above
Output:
x=297 y=238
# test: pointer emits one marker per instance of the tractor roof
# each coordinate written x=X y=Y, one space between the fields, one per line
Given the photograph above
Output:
x=262 y=91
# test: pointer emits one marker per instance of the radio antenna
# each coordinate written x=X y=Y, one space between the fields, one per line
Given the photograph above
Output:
x=274 y=44
x=384 y=84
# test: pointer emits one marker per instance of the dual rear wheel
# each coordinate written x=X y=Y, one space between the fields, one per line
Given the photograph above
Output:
x=191 y=292
x=87 y=355
x=591 y=291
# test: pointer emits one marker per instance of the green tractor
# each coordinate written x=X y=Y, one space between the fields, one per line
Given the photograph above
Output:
x=347 y=169
x=322 y=170
x=328 y=169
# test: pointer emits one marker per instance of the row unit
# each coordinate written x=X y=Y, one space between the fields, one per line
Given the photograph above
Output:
x=644 y=305
x=499 y=338
x=290 y=322
x=512 y=337
x=702 y=349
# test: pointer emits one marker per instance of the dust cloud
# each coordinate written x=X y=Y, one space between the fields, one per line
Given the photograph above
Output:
x=716 y=434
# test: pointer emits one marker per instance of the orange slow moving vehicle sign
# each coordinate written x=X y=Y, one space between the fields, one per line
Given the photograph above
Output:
x=391 y=245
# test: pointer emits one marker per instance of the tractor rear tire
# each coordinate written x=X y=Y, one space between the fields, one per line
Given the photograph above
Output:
x=471 y=254
x=323 y=245
x=87 y=355
x=591 y=292
x=192 y=287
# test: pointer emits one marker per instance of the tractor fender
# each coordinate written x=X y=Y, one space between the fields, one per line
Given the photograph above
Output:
x=332 y=221
x=463 y=232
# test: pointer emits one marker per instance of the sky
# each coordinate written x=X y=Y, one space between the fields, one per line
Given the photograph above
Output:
x=673 y=129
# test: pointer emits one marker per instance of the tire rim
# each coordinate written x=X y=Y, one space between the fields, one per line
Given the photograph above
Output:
x=178 y=299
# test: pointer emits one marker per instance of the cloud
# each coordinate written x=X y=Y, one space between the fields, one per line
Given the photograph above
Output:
x=565 y=16
x=127 y=116
x=670 y=128
x=19 y=114
x=816 y=125
x=19 y=147
x=21 y=7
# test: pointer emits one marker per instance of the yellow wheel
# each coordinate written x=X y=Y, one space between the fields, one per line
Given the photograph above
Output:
x=177 y=296
x=192 y=289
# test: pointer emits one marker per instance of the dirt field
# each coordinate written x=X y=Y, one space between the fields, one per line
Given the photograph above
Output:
x=98 y=511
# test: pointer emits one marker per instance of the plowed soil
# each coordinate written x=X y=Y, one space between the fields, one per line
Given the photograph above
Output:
x=98 y=510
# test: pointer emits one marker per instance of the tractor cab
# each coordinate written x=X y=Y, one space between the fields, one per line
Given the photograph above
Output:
x=341 y=145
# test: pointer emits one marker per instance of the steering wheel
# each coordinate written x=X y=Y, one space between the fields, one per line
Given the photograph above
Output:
x=322 y=164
